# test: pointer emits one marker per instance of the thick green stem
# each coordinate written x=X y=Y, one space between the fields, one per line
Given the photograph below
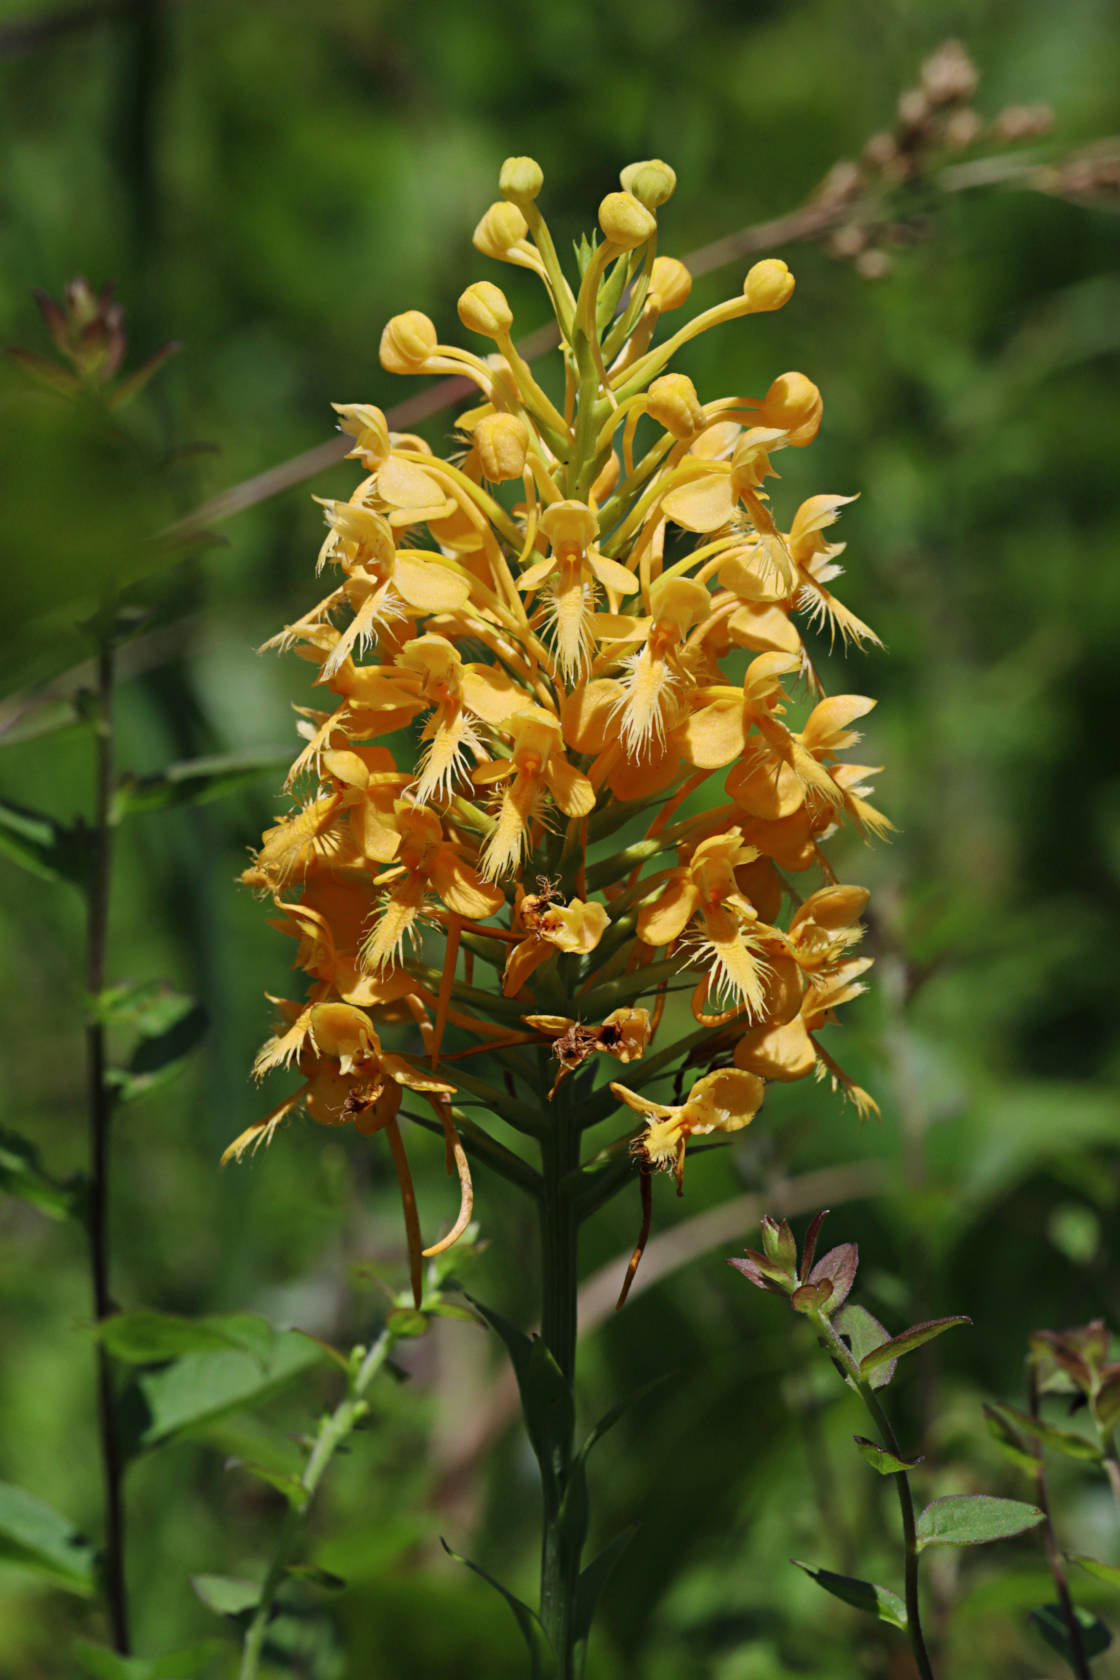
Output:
x=333 y=1430
x=850 y=1366
x=559 y=1231
x=100 y=1110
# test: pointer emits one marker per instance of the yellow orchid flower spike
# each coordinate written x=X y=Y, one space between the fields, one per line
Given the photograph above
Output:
x=567 y=748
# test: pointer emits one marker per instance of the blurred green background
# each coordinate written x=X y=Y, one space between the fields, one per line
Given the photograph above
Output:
x=267 y=183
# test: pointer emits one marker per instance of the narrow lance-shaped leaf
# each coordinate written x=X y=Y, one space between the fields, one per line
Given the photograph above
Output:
x=1066 y=1441
x=974 y=1519
x=542 y=1662
x=1109 y=1572
x=886 y=1463
x=877 y=1601
x=40 y=1539
x=915 y=1337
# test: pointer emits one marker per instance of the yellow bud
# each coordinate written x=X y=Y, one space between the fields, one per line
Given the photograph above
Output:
x=520 y=180
x=669 y=283
x=768 y=285
x=484 y=308
x=607 y=479
x=368 y=426
x=653 y=183
x=793 y=403
x=625 y=222
x=569 y=525
x=500 y=229
x=673 y=403
x=407 y=342
x=502 y=441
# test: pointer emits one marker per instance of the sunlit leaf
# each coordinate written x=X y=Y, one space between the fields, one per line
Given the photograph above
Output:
x=863 y=1334
x=194 y=1390
x=881 y=1460
x=907 y=1341
x=973 y=1519
x=147 y=1337
x=226 y=1595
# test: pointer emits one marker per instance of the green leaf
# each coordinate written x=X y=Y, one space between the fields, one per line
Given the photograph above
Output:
x=39 y=1539
x=41 y=845
x=193 y=1391
x=593 y=1580
x=879 y=1602
x=147 y=1337
x=21 y=1175
x=226 y=1595
x=187 y=1664
x=609 y=1419
x=150 y=1007
x=159 y=1057
x=864 y=1334
x=915 y=1337
x=1066 y=1441
x=289 y=1485
x=542 y=1661
x=1049 y=1621
x=974 y=1519
x=546 y=1398
x=1013 y=1445
x=1093 y=1566
x=316 y=1577
x=407 y=1322
x=880 y=1459
x=196 y=781
x=1106 y=1401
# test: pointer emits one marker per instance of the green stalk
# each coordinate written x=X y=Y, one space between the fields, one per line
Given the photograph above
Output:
x=100 y=1109
x=847 y=1362
x=559 y=1231
x=333 y=1430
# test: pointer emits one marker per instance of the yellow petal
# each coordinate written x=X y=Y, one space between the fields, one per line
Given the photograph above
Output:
x=783 y=1052
x=569 y=787
x=462 y=888
x=715 y=734
x=666 y=919
x=704 y=505
x=430 y=587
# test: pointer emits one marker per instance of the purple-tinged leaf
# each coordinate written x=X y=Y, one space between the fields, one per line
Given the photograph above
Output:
x=910 y=1339
x=974 y=1519
x=809 y=1246
x=839 y=1267
x=1106 y=1401
x=45 y=372
x=811 y=1297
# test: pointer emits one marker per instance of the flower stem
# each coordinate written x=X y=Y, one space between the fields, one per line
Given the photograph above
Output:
x=333 y=1430
x=559 y=1231
x=100 y=1109
x=1078 y=1659
x=843 y=1356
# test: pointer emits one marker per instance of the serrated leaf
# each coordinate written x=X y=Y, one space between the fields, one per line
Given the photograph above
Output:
x=542 y=1661
x=592 y=1582
x=41 y=845
x=197 y=781
x=226 y=1595
x=880 y=1602
x=1093 y=1566
x=886 y=1463
x=907 y=1341
x=36 y=1537
x=1066 y=1441
x=147 y=1337
x=863 y=1334
x=193 y=1391
x=974 y=1519
x=22 y=1175
x=1049 y=1621
x=188 y=1664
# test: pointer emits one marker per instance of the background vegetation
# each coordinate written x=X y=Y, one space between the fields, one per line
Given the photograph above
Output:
x=267 y=183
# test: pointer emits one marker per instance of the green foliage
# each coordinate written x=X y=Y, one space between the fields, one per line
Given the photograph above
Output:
x=198 y=1388
x=36 y=1538
x=972 y=1519
x=864 y=1595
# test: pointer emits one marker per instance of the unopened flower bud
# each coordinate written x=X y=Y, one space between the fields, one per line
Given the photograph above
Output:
x=778 y=1244
x=673 y=403
x=652 y=183
x=793 y=403
x=569 y=526
x=608 y=477
x=500 y=229
x=670 y=283
x=502 y=441
x=520 y=180
x=484 y=308
x=625 y=222
x=768 y=285
x=370 y=429
x=407 y=342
